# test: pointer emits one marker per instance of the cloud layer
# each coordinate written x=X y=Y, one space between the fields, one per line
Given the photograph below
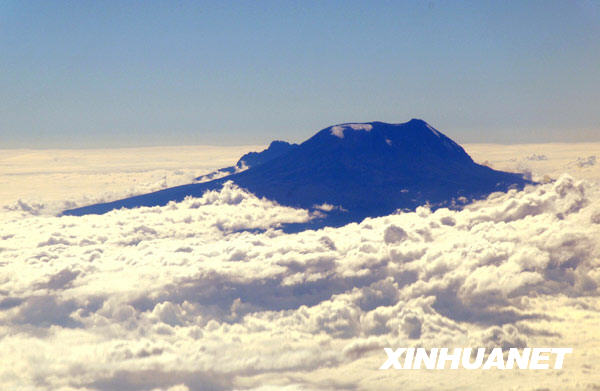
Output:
x=210 y=294
x=48 y=181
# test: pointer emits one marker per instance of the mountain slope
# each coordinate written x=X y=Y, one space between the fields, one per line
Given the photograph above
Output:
x=366 y=169
x=251 y=159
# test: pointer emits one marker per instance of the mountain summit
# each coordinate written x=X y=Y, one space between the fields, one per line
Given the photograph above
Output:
x=361 y=169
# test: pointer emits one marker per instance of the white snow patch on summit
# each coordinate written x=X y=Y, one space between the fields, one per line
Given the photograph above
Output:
x=338 y=130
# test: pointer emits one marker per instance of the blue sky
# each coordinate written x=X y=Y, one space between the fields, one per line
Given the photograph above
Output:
x=133 y=73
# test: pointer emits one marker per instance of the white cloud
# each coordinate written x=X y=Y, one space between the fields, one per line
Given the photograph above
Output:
x=541 y=160
x=210 y=294
x=48 y=181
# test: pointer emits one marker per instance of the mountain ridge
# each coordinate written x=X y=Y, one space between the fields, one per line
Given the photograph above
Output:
x=365 y=169
x=251 y=159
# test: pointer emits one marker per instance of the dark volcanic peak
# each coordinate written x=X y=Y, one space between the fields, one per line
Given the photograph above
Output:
x=415 y=138
x=276 y=148
x=366 y=169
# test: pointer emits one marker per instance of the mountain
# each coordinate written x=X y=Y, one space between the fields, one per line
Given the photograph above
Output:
x=250 y=160
x=361 y=169
x=275 y=149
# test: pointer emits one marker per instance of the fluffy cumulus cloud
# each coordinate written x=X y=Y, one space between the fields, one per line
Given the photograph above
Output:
x=211 y=294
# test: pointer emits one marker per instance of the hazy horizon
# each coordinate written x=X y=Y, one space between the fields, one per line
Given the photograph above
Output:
x=257 y=146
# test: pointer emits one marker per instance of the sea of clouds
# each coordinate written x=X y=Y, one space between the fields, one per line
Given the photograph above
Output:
x=211 y=294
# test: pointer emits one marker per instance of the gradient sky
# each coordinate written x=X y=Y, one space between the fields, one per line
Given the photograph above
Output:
x=129 y=73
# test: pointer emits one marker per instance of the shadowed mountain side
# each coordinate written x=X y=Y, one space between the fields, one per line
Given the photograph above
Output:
x=251 y=159
x=362 y=170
